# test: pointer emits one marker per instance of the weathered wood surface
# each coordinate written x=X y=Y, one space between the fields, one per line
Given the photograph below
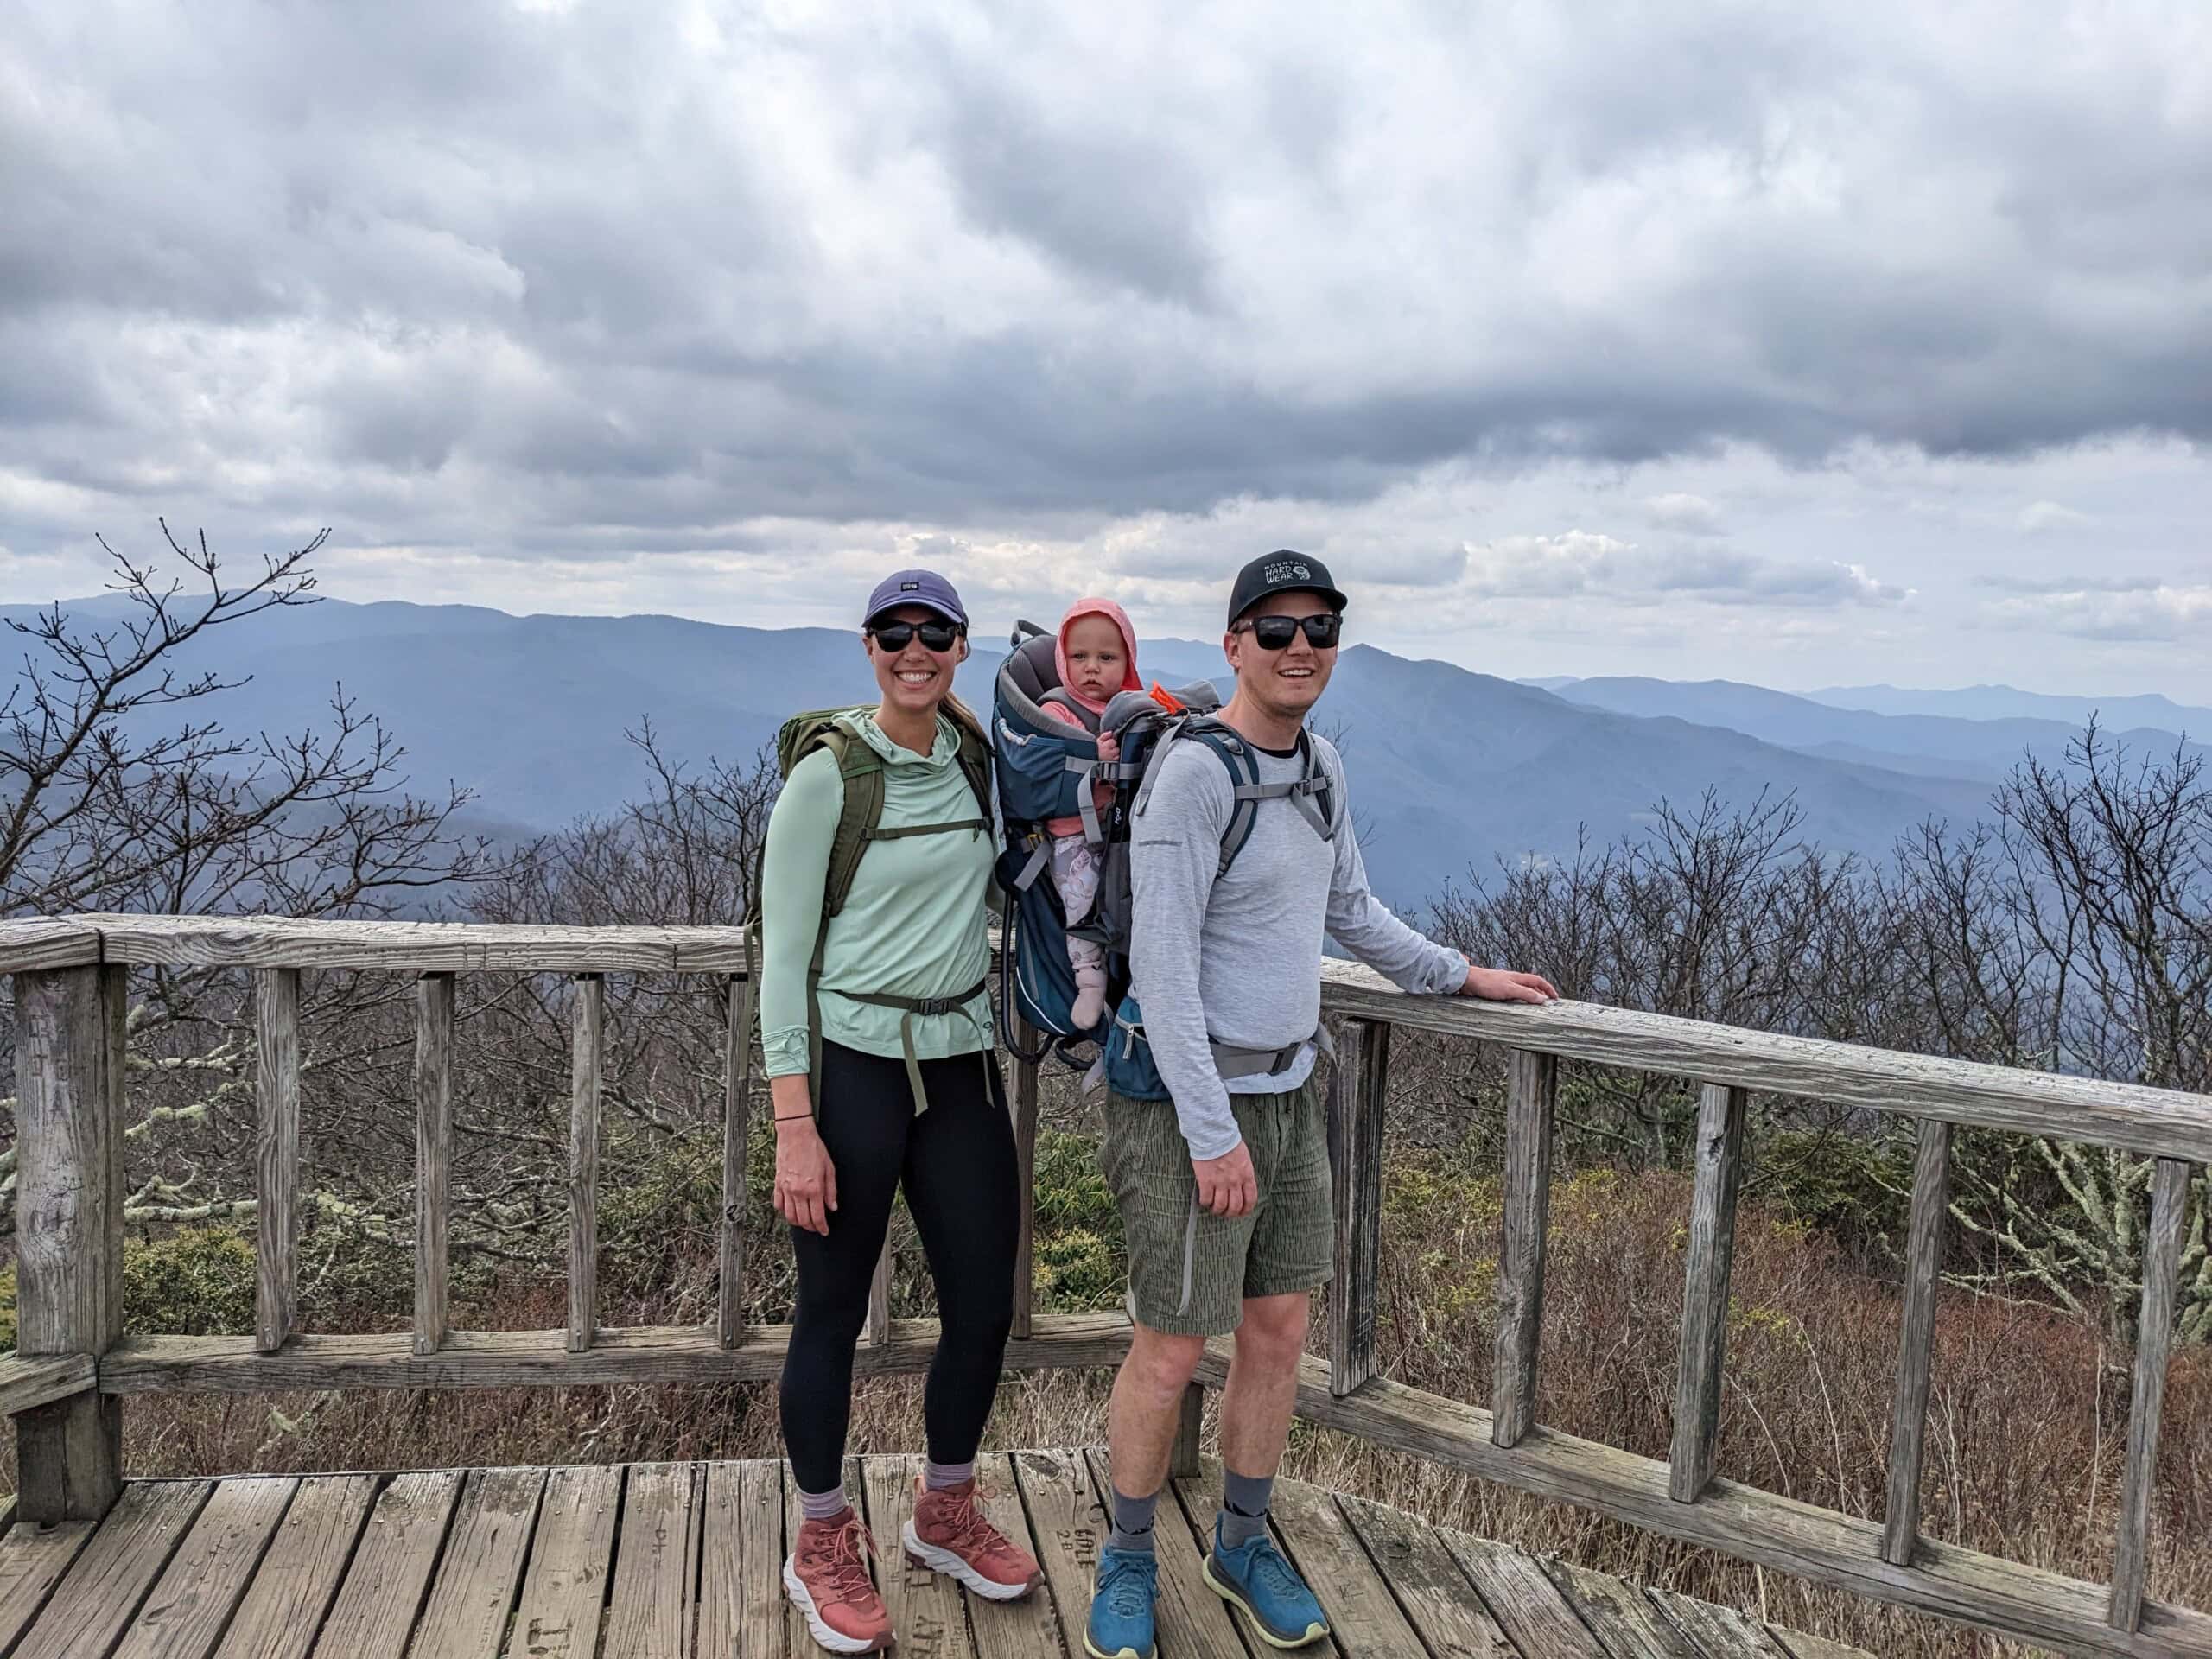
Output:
x=408 y=947
x=1532 y=1091
x=38 y=943
x=389 y=1569
x=1359 y=1089
x=433 y=1155
x=1717 y=1629
x=69 y=1075
x=2154 y=1336
x=453 y=1565
x=206 y=1579
x=1430 y=1585
x=879 y=1297
x=740 y=1561
x=28 y=1383
x=298 y=1578
x=1923 y=1267
x=2028 y=1603
x=481 y=1565
x=589 y=1020
x=492 y=1359
x=1710 y=1256
x=94 y=1605
x=1183 y=1458
x=566 y=1586
x=277 y=1153
x=2161 y=1122
x=737 y=1119
x=648 y=1613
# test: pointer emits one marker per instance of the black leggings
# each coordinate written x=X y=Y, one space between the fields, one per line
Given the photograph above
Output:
x=957 y=1161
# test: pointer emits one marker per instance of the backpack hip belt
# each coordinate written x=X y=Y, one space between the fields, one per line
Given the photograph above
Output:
x=918 y=1008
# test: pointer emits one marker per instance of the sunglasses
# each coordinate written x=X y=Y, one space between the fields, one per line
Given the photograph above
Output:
x=1273 y=632
x=895 y=636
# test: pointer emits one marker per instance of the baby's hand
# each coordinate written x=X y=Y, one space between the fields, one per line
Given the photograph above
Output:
x=1110 y=746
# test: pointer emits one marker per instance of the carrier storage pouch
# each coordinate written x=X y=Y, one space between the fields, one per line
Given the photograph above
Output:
x=1043 y=980
x=1126 y=1057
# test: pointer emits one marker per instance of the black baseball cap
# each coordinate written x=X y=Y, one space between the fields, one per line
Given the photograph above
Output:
x=1281 y=572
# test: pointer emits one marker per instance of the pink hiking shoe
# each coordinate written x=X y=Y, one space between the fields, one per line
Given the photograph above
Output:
x=828 y=1580
x=951 y=1534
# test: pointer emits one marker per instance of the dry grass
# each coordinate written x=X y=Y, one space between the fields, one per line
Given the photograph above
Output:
x=2027 y=1426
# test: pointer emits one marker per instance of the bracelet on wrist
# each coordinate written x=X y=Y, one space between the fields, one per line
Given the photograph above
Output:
x=792 y=1117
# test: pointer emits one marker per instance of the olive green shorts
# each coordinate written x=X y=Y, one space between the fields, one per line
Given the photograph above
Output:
x=1190 y=1270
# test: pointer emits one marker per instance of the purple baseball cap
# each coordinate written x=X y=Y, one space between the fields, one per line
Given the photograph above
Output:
x=924 y=588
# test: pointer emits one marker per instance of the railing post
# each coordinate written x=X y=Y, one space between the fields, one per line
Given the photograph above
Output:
x=1183 y=1459
x=1024 y=1152
x=277 y=1097
x=1532 y=1093
x=583 y=1161
x=69 y=1073
x=1705 y=1292
x=1358 y=1088
x=737 y=1112
x=1923 y=1267
x=878 y=1298
x=433 y=1155
x=2154 y=1336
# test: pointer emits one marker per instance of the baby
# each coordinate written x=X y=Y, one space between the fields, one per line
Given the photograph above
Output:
x=1098 y=660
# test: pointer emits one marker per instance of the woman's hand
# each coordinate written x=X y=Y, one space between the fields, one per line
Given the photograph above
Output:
x=806 y=1181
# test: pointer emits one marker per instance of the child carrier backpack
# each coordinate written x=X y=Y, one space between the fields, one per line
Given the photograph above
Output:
x=1046 y=769
x=859 y=827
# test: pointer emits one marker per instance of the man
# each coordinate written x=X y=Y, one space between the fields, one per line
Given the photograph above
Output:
x=1224 y=1189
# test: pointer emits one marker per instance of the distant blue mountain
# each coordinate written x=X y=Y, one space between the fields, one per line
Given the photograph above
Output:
x=2005 y=703
x=1981 y=750
x=1451 y=770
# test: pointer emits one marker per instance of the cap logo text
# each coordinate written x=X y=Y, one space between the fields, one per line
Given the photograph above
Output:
x=1287 y=570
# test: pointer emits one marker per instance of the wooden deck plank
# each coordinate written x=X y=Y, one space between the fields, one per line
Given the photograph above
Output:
x=1029 y=1628
x=1623 y=1617
x=1431 y=1591
x=928 y=1610
x=374 y=1613
x=292 y=1589
x=564 y=1590
x=481 y=1568
x=1541 y=1621
x=1068 y=1528
x=32 y=1560
x=207 y=1577
x=1362 y=1614
x=1720 y=1633
x=95 y=1600
x=742 y=1561
x=648 y=1615
x=1800 y=1645
x=1192 y=1619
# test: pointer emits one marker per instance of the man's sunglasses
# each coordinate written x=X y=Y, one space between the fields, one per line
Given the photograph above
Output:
x=1273 y=632
x=895 y=636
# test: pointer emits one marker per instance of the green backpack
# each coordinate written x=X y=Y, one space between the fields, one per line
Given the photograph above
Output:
x=859 y=826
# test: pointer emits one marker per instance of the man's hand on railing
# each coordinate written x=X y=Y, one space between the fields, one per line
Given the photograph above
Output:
x=806 y=1179
x=1228 y=1186
x=1501 y=985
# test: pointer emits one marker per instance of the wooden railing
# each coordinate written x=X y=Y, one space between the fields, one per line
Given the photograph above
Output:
x=75 y=1363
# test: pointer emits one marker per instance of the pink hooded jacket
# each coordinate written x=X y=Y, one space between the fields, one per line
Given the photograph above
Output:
x=1130 y=682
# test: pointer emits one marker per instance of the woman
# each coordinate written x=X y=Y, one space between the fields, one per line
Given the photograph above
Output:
x=876 y=1028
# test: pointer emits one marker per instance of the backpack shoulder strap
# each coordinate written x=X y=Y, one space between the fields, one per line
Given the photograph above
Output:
x=1236 y=757
x=860 y=770
x=974 y=758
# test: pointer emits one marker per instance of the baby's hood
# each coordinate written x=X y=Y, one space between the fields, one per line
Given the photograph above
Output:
x=1105 y=608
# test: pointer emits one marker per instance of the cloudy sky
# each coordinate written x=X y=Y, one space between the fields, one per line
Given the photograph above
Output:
x=1802 y=343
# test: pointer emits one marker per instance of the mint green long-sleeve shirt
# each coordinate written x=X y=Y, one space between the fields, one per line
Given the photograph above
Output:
x=913 y=925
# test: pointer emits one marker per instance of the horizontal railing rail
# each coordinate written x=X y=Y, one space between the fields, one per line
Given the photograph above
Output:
x=76 y=1363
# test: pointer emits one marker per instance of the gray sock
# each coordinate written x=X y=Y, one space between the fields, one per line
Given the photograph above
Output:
x=1244 y=1500
x=938 y=1476
x=1133 y=1523
x=822 y=1506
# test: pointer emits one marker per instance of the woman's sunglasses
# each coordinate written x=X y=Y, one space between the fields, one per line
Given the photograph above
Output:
x=895 y=636
x=1273 y=632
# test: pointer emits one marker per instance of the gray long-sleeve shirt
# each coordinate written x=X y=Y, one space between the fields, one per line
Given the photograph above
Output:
x=1238 y=959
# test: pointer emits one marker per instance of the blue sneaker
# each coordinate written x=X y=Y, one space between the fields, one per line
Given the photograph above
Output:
x=1120 y=1626
x=1255 y=1577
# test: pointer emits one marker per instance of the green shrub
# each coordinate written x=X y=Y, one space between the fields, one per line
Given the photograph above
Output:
x=197 y=1281
x=1854 y=1190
